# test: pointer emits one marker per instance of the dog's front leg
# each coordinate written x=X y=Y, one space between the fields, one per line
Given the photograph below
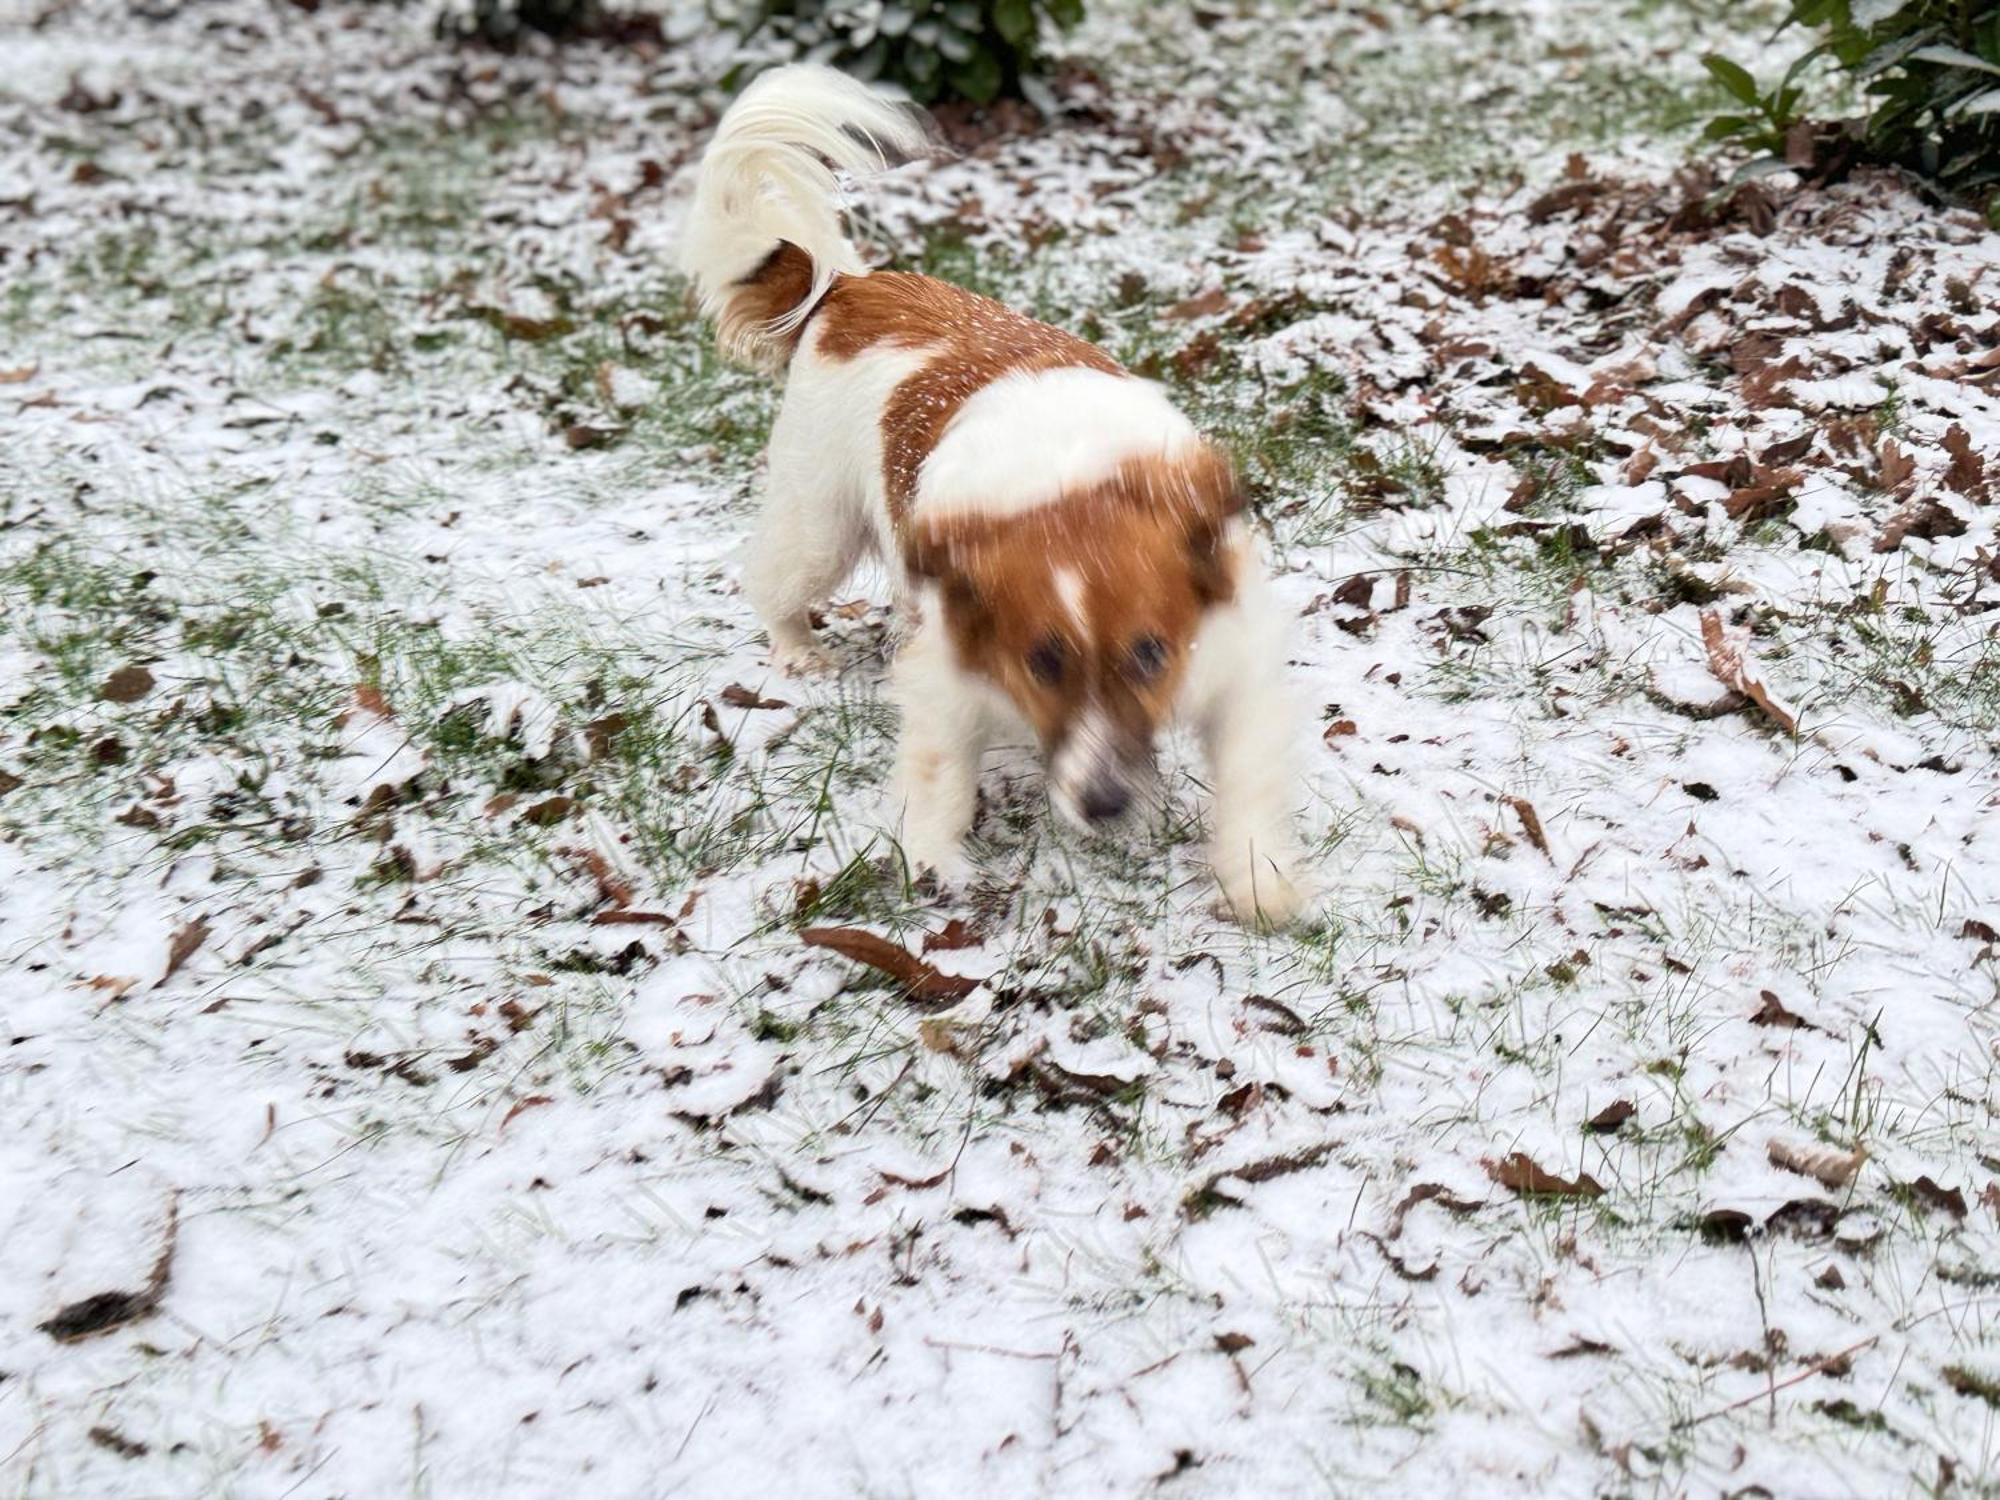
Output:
x=1239 y=704
x=935 y=790
x=1252 y=847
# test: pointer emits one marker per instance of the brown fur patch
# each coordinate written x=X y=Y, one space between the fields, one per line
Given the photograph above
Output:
x=781 y=283
x=1149 y=556
x=977 y=341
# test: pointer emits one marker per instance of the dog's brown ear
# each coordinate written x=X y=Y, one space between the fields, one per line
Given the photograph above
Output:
x=935 y=553
x=1217 y=495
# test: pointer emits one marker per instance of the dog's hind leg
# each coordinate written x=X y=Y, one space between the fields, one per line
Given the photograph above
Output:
x=809 y=535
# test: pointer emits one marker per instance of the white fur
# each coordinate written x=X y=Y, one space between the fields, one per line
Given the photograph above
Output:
x=1028 y=438
x=1069 y=589
x=824 y=503
x=765 y=179
x=1086 y=754
x=1235 y=696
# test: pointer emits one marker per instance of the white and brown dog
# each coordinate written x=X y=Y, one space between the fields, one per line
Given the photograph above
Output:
x=1068 y=549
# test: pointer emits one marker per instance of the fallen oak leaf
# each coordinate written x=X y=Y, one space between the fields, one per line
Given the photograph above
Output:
x=1772 y=1012
x=1396 y=1263
x=519 y=1105
x=1826 y=1165
x=1518 y=1173
x=1205 y=305
x=1531 y=823
x=738 y=696
x=1803 y=1218
x=954 y=934
x=1729 y=662
x=921 y=981
x=549 y=812
x=1283 y=1019
x=108 y=1310
x=182 y=945
x=519 y=325
x=1206 y=1198
x=1580 y=1346
x=1967 y=471
x=916 y=1184
x=609 y=886
x=1611 y=1116
x=1429 y=1192
x=1928 y=1192
x=126 y=685
x=1725 y=1226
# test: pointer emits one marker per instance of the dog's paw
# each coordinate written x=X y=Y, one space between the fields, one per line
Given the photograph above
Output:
x=1267 y=891
x=802 y=659
x=939 y=862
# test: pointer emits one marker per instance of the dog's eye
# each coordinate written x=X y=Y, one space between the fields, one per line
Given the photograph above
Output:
x=1046 y=662
x=1146 y=658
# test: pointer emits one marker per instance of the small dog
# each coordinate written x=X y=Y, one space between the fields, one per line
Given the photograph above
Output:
x=1068 y=551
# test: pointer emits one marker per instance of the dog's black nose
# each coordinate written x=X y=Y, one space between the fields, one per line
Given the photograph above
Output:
x=1105 y=801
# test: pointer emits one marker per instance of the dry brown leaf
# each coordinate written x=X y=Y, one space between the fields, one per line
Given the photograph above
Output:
x=1519 y=1173
x=738 y=696
x=1729 y=662
x=1932 y=1194
x=181 y=946
x=601 y=734
x=1531 y=823
x=20 y=375
x=1826 y=1165
x=954 y=934
x=919 y=979
x=549 y=811
x=1772 y=1012
x=519 y=1105
x=1429 y=1192
x=1967 y=471
x=108 y=1310
x=1208 y=1197
x=1788 y=450
x=1611 y=1116
x=1281 y=1017
x=1206 y=305
x=1894 y=467
x=609 y=886
x=126 y=685
x=942 y=1034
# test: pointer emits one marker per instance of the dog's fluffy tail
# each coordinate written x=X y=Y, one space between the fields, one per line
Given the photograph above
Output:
x=767 y=182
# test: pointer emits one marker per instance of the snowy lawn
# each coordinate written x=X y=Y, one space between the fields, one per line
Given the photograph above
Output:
x=405 y=846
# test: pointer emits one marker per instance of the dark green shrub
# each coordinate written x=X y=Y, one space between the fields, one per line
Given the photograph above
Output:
x=1931 y=69
x=967 y=49
x=501 y=22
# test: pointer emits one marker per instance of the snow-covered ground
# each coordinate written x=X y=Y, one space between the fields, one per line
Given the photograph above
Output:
x=405 y=845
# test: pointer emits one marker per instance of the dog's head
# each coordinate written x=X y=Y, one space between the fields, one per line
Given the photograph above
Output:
x=1084 y=612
